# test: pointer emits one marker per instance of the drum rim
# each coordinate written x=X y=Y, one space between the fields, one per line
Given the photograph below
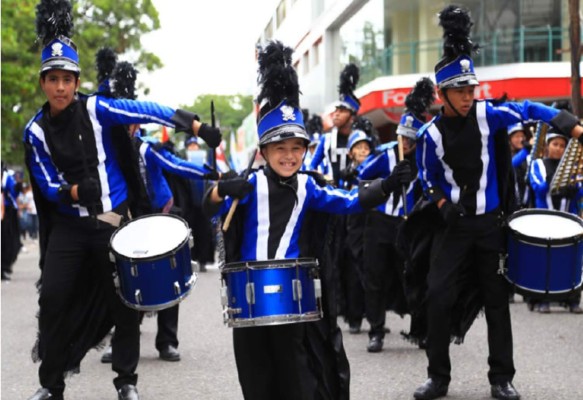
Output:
x=271 y=320
x=544 y=241
x=157 y=256
x=270 y=264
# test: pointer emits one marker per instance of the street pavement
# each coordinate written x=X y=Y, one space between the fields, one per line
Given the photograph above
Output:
x=548 y=353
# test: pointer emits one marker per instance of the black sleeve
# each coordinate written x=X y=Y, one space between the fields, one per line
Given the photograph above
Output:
x=183 y=120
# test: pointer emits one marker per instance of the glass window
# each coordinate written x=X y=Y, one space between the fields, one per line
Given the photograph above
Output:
x=280 y=13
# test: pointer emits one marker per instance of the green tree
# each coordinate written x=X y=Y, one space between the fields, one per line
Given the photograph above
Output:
x=230 y=110
x=97 y=23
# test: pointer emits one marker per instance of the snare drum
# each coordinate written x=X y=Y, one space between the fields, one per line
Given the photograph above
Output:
x=545 y=253
x=152 y=258
x=272 y=292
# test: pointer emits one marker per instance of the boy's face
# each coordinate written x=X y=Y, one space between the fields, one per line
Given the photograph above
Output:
x=360 y=151
x=341 y=116
x=285 y=157
x=556 y=148
x=461 y=99
x=59 y=87
x=517 y=140
x=408 y=145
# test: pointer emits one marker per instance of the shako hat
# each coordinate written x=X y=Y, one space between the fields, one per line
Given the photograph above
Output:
x=417 y=103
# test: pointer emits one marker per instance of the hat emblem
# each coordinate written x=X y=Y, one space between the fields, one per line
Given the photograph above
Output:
x=287 y=113
x=409 y=121
x=57 y=50
x=465 y=65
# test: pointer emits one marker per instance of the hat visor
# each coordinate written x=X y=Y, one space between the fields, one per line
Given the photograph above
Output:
x=62 y=64
x=283 y=133
x=457 y=83
x=407 y=132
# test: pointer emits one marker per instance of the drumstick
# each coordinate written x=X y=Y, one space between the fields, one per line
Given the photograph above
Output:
x=401 y=157
x=236 y=201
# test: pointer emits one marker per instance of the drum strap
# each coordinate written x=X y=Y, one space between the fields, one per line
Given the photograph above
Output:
x=111 y=218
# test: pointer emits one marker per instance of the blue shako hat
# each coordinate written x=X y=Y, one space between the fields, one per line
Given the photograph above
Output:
x=348 y=81
x=417 y=103
x=356 y=137
x=54 y=26
x=456 y=67
x=280 y=115
x=515 y=128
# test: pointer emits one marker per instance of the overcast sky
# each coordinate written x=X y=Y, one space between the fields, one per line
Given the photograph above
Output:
x=207 y=47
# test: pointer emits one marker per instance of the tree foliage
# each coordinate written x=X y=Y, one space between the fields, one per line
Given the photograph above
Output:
x=97 y=23
x=230 y=110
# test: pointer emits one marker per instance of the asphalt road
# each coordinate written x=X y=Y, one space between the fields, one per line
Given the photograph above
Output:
x=548 y=353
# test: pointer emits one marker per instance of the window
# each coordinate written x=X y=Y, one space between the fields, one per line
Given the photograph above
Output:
x=280 y=13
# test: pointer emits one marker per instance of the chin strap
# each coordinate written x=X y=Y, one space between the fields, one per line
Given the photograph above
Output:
x=449 y=103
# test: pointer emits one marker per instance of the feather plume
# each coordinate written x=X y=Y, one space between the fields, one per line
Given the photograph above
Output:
x=421 y=97
x=363 y=124
x=314 y=125
x=348 y=79
x=277 y=77
x=105 y=59
x=123 y=81
x=53 y=18
x=457 y=24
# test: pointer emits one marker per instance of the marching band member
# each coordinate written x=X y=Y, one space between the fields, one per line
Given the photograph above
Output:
x=302 y=360
x=465 y=170
x=541 y=175
x=384 y=279
x=520 y=149
x=81 y=191
x=11 y=243
x=333 y=144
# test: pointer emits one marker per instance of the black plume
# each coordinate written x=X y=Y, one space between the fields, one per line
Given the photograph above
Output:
x=123 y=81
x=314 y=125
x=456 y=23
x=277 y=77
x=53 y=18
x=421 y=97
x=105 y=59
x=348 y=79
x=363 y=124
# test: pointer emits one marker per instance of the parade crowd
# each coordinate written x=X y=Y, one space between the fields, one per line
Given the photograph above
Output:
x=417 y=226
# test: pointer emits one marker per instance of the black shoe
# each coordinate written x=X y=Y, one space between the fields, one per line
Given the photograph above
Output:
x=107 y=356
x=45 y=394
x=504 y=391
x=201 y=267
x=5 y=276
x=128 y=392
x=431 y=389
x=375 y=344
x=575 y=309
x=354 y=328
x=169 y=353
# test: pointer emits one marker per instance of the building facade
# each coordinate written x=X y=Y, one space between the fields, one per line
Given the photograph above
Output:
x=524 y=49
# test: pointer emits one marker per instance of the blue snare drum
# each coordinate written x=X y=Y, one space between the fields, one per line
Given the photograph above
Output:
x=272 y=292
x=545 y=253
x=152 y=258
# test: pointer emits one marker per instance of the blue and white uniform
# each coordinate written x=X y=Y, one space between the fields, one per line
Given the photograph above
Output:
x=463 y=165
x=331 y=153
x=84 y=147
x=9 y=189
x=541 y=175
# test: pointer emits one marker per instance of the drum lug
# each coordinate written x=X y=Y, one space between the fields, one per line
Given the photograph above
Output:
x=250 y=292
x=177 y=289
x=191 y=281
x=138 y=296
x=111 y=257
x=190 y=241
x=194 y=266
x=297 y=289
x=134 y=270
x=173 y=262
x=502 y=264
x=224 y=296
x=115 y=280
x=317 y=288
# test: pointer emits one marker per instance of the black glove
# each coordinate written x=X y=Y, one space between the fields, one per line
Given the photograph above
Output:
x=348 y=174
x=236 y=187
x=526 y=144
x=64 y=193
x=211 y=136
x=400 y=176
x=450 y=212
x=89 y=191
x=212 y=175
x=229 y=175
x=318 y=177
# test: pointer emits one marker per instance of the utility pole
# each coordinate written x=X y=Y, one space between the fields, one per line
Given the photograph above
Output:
x=575 y=38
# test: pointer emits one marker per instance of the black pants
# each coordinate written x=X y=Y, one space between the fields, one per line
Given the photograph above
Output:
x=71 y=249
x=167 y=328
x=351 y=268
x=472 y=242
x=272 y=362
x=383 y=271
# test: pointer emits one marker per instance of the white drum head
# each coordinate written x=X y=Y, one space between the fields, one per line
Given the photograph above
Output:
x=150 y=236
x=546 y=226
